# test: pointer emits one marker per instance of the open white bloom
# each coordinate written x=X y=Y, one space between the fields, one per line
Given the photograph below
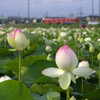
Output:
x=66 y=61
x=63 y=34
x=98 y=40
x=88 y=39
x=2 y=32
x=84 y=33
x=84 y=65
x=4 y=78
x=70 y=38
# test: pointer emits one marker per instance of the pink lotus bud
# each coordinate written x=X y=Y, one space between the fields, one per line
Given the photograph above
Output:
x=9 y=35
x=83 y=64
x=65 y=58
x=19 y=37
x=18 y=40
x=79 y=33
x=48 y=48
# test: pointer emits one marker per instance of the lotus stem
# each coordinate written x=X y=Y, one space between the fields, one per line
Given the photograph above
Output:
x=76 y=47
x=5 y=48
x=68 y=96
x=78 y=53
x=82 y=88
x=92 y=59
x=81 y=53
x=19 y=74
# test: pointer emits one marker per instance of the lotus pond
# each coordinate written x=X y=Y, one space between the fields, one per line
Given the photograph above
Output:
x=49 y=63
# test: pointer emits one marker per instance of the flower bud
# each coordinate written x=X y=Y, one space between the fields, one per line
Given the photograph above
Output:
x=72 y=98
x=98 y=56
x=48 y=48
x=88 y=39
x=91 y=48
x=49 y=57
x=66 y=58
x=81 y=40
x=18 y=40
x=24 y=70
x=83 y=64
x=59 y=38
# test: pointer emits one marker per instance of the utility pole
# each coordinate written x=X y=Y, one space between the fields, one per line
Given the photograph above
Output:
x=92 y=8
x=81 y=12
x=69 y=13
x=28 y=9
x=99 y=11
x=46 y=14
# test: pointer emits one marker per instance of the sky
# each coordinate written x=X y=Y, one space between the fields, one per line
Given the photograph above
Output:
x=52 y=8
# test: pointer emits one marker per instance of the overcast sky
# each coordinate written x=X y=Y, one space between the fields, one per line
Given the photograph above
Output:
x=38 y=8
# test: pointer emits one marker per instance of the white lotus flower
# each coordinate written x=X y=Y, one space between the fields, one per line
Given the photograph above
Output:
x=98 y=40
x=88 y=39
x=63 y=34
x=4 y=78
x=84 y=33
x=2 y=32
x=66 y=61
x=84 y=65
x=70 y=38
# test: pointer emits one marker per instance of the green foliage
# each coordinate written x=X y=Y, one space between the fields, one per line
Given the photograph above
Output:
x=93 y=95
x=26 y=62
x=35 y=70
x=34 y=61
x=2 y=63
x=42 y=89
x=14 y=90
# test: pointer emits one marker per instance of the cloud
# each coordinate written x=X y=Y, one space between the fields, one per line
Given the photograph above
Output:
x=53 y=7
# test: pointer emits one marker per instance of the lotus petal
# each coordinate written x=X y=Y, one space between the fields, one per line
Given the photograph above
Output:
x=52 y=72
x=83 y=71
x=65 y=80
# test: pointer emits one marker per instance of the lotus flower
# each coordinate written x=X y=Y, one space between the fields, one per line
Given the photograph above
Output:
x=4 y=78
x=88 y=39
x=66 y=61
x=18 y=40
x=84 y=65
